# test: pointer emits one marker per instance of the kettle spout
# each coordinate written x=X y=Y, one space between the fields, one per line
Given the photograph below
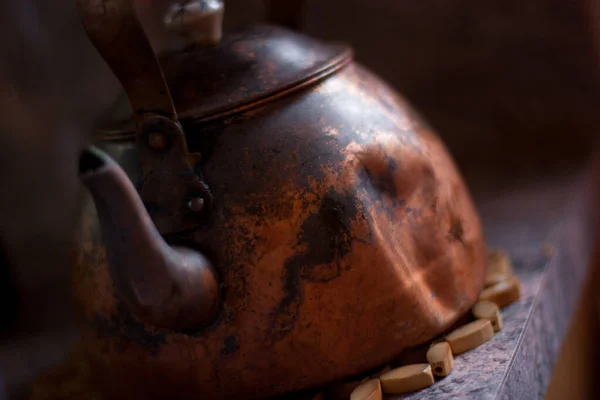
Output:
x=169 y=287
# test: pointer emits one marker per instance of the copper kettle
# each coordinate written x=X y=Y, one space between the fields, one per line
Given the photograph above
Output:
x=285 y=219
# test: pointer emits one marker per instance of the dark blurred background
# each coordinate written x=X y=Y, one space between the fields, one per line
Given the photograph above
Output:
x=511 y=86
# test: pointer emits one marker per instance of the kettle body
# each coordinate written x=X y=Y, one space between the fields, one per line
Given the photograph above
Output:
x=342 y=234
x=286 y=220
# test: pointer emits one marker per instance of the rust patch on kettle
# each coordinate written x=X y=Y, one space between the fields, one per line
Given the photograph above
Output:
x=383 y=181
x=124 y=328
x=326 y=238
x=456 y=231
x=230 y=346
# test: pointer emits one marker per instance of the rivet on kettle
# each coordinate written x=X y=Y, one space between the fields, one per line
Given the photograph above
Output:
x=157 y=141
x=196 y=205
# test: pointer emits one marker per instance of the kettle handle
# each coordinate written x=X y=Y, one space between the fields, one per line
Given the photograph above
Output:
x=115 y=31
x=172 y=191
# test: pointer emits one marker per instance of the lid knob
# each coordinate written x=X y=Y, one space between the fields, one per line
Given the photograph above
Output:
x=200 y=21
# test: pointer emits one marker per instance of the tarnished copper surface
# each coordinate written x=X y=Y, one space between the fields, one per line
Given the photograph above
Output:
x=343 y=235
x=255 y=65
x=245 y=67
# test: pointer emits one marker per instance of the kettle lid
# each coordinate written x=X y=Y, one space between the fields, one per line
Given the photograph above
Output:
x=245 y=70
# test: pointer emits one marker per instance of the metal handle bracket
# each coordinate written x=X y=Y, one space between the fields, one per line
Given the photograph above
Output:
x=173 y=192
